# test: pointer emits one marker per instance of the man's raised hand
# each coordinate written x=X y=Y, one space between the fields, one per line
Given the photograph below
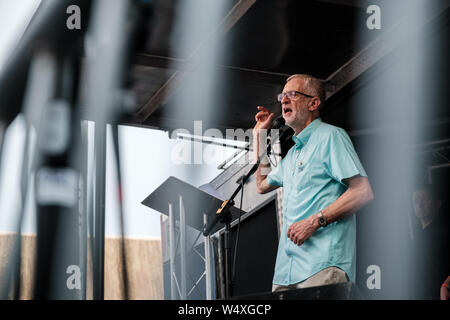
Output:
x=263 y=119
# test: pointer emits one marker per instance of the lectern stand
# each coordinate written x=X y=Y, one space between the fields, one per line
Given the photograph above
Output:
x=195 y=208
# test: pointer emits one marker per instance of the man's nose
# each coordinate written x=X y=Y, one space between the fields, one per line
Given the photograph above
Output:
x=285 y=99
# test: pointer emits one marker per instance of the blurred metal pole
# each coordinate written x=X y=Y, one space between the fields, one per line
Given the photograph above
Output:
x=208 y=279
x=116 y=148
x=35 y=98
x=91 y=209
x=40 y=89
x=106 y=47
x=84 y=205
x=183 y=249
x=58 y=273
x=99 y=209
x=172 y=252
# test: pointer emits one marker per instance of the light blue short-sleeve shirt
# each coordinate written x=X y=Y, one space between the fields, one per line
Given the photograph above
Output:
x=312 y=175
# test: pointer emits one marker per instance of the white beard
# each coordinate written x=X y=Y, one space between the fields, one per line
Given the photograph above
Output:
x=299 y=119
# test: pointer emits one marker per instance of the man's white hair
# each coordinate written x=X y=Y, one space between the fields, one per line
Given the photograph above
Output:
x=314 y=86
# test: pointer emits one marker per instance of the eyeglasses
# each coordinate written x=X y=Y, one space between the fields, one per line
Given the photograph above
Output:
x=292 y=95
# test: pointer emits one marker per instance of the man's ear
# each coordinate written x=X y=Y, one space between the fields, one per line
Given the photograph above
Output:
x=314 y=104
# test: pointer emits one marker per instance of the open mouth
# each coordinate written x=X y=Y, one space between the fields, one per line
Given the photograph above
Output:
x=287 y=111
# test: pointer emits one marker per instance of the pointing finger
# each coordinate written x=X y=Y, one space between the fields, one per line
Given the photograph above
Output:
x=262 y=108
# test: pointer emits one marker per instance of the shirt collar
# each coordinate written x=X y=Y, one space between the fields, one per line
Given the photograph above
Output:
x=302 y=138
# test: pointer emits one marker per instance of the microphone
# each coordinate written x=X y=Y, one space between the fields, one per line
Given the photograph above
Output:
x=278 y=123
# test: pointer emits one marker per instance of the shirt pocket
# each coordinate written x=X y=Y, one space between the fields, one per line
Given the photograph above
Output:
x=301 y=173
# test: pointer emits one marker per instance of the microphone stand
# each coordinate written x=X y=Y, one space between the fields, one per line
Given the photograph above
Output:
x=223 y=215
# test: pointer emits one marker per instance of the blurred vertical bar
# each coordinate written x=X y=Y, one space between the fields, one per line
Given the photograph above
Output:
x=106 y=53
x=40 y=90
x=84 y=205
x=58 y=274
x=172 y=252
x=99 y=210
x=208 y=279
x=183 y=249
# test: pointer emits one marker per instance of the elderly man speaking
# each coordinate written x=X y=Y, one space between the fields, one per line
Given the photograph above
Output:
x=323 y=184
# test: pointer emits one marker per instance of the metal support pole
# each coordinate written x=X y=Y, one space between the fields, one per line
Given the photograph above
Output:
x=228 y=264
x=172 y=252
x=183 y=249
x=99 y=230
x=220 y=264
x=207 y=261
x=106 y=48
x=40 y=89
x=84 y=208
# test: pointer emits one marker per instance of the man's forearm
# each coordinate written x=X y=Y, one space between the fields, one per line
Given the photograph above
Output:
x=259 y=141
x=263 y=170
x=357 y=196
x=261 y=173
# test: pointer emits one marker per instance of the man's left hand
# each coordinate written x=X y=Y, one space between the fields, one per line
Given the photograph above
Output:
x=302 y=230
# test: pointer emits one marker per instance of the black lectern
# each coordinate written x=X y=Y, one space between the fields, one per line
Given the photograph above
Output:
x=197 y=209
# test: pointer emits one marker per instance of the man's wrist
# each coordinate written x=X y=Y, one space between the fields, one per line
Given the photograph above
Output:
x=257 y=146
x=318 y=220
x=314 y=222
x=321 y=219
